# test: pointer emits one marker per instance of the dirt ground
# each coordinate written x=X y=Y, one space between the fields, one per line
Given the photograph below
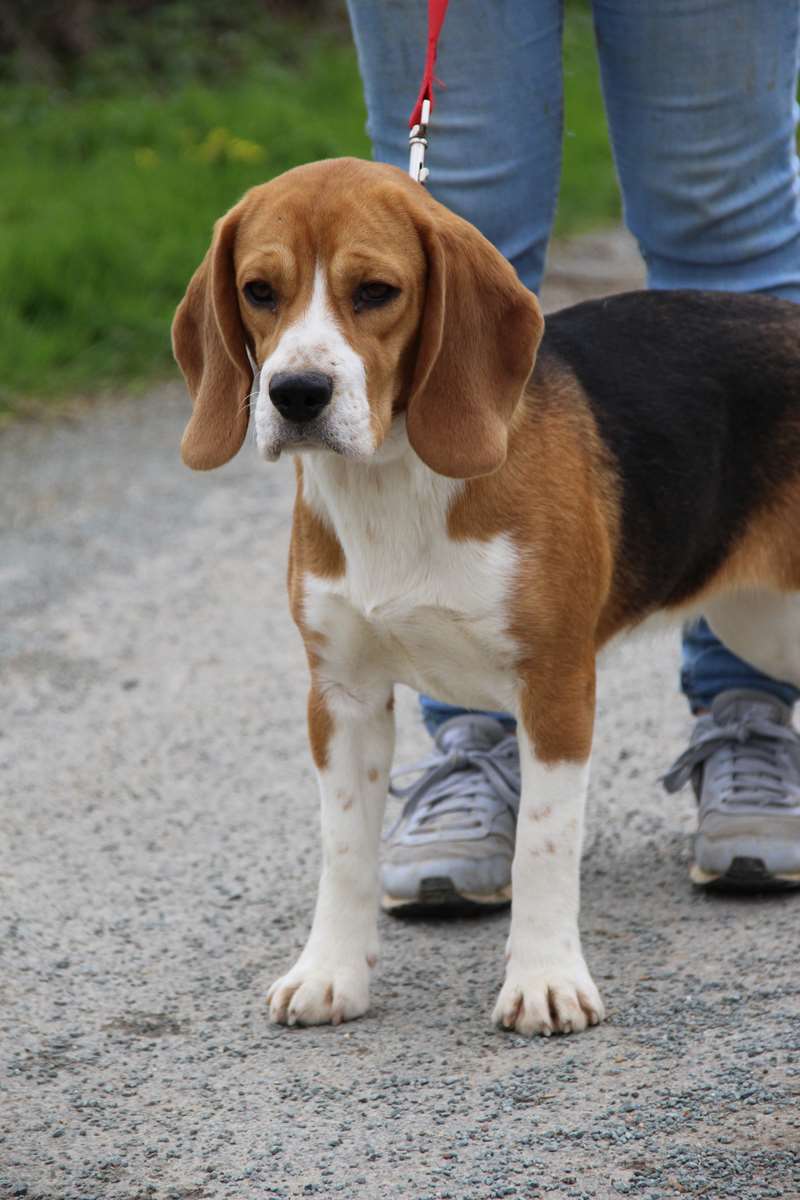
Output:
x=159 y=861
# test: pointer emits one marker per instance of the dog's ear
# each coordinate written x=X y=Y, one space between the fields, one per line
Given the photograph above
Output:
x=208 y=340
x=479 y=335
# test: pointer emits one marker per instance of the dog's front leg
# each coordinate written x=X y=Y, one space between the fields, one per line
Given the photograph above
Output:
x=352 y=738
x=548 y=988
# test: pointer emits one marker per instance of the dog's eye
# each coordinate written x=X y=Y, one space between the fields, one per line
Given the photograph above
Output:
x=373 y=295
x=260 y=294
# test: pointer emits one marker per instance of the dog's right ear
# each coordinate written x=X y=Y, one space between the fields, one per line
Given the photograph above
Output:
x=209 y=343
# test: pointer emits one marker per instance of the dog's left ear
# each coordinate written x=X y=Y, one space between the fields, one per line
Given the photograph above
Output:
x=208 y=340
x=479 y=335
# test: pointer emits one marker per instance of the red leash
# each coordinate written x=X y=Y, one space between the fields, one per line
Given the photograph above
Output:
x=418 y=121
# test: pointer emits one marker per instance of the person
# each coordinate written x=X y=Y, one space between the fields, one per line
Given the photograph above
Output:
x=700 y=100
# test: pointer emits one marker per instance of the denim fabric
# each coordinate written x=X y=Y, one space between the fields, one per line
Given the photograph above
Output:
x=709 y=668
x=700 y=97
x=436 y=712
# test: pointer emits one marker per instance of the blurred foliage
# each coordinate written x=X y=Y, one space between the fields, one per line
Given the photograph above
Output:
x=95 y=45
x=115 y=169
x=122 y=142
x=589 y=194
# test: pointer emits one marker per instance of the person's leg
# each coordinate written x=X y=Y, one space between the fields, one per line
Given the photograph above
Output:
x=495 y=135
x=494 y=158
x=435 y=713
x=700 y=97
x=710 y=668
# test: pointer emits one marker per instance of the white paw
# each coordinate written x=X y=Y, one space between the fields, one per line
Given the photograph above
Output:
x=319 y=994
x=559 y=999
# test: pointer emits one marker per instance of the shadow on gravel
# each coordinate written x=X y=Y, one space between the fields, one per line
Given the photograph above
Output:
x=148 y=1025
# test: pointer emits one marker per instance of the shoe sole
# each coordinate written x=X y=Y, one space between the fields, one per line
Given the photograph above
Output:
x=744 y=875
x=439 y=896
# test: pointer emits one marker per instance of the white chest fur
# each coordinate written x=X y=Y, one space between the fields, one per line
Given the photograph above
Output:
x=414 y=606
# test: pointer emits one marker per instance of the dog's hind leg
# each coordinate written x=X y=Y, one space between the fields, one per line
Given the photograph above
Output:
x=762 y=627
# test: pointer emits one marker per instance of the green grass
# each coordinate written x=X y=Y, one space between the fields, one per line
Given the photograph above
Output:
x=111 y=184
x=108 y=203
x=589 y=193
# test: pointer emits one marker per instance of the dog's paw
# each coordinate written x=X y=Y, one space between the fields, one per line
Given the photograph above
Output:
x=562 y=999
x=319 y=994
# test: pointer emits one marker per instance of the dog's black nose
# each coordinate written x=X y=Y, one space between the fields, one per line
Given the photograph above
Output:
x=300 y=397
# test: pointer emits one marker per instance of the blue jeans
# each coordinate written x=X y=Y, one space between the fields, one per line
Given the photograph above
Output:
x=700 y=98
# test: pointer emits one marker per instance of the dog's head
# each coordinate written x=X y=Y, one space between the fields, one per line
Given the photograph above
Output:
x=352 y=296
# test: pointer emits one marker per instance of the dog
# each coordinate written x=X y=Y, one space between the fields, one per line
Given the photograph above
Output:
x=484 y=502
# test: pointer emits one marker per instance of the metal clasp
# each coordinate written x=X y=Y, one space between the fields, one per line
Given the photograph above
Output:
x=418 y=143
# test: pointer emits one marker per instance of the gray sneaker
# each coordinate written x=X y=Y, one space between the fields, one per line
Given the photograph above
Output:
x=452 y=846
x=744 y=763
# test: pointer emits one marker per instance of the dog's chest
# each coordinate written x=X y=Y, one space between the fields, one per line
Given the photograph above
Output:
x=414 y=604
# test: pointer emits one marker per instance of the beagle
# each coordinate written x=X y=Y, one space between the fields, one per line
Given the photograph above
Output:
x=483 y=503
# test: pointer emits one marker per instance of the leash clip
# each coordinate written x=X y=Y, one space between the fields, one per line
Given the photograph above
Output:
x=418 y=143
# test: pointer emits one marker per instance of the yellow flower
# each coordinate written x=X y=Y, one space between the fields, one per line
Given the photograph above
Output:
x=212 y=149
x=145 y=158
x=220 y=145
x=240 y=150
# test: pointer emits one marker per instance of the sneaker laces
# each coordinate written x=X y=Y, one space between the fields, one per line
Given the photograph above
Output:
x=753 y=770
x=461 y=786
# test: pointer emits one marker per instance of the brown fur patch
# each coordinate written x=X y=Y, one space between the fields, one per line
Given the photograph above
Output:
x=557 y=708
x=768 y=554
x=314 y=547
x=320 y=727
x=556 y=498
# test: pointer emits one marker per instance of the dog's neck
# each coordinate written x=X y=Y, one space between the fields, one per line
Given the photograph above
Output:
x=393 y=496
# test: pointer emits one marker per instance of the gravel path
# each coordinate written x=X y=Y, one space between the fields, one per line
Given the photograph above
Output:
x=160 y=856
